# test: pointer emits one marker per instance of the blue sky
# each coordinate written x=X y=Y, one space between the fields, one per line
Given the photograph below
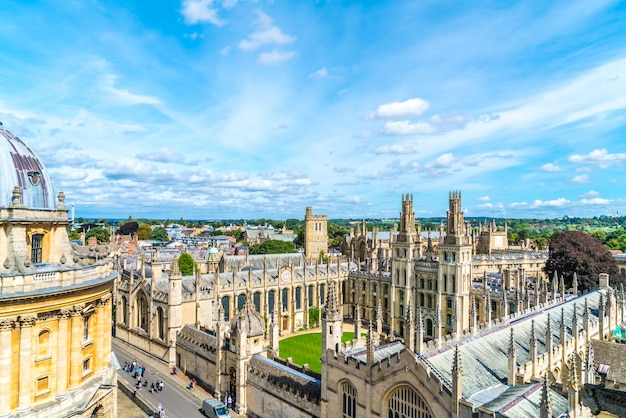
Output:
x=209 y=109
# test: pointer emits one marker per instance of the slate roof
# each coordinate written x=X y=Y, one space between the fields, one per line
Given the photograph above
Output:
x=256 y=261
x=485 y=356
x=523 y=401
x=613 y=355
x=285 y=376
x=381 y=352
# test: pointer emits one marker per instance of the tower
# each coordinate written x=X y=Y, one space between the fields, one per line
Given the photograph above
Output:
x=315 y=235
x=331 y=321
x=174 y=301
x=455 y=265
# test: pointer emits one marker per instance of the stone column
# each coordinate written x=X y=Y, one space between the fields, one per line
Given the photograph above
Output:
x=76 y=338
x=26 y=362
x=108 y=323
x=6 y=326
x=62 y=349
x=98 y=335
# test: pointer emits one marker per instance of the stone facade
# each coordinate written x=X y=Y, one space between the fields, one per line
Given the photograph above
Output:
x=55 y=310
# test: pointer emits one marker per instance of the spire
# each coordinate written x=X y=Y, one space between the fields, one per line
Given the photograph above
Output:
x=457 y=382
x=590 y=370
x=504 y=303
x=379 y=318
x=410 y=328
x=575 y=326
x=554 y=285
x=533 y=343
x=357 y=324
x=473 y=314
x=455 y=317
x=370 y=344
x=512 y=343
x=488 y=309
x=331 y=308
x=419 y=338
x=575 y=283
x=549 y=337
x=545 y=406
x=512 y=360
x=562 y=288
x=175 y=268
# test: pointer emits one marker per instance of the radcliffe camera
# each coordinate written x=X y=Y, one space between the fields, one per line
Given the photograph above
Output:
x=222 y=208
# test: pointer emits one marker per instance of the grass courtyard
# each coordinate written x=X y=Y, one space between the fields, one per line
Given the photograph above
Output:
x=307 y=349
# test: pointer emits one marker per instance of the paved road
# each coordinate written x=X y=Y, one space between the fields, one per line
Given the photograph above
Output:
x=178 y=401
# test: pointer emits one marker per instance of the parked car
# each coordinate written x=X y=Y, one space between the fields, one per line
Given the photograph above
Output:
x=213 y=408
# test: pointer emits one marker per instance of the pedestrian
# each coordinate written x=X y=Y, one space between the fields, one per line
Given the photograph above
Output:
x=229 y=402
x=145 y=382
x=159 y=409
x=161 y=385
x=162 y=414
x=143 y=370
x=152 y=388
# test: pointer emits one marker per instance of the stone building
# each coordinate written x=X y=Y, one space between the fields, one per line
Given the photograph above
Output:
x=55 y=301
x=315 y=236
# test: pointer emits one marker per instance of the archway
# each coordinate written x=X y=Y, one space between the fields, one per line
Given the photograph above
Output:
x=405 y=402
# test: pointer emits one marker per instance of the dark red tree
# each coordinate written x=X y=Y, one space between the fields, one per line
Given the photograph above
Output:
x=128 y=228
x=576 y=252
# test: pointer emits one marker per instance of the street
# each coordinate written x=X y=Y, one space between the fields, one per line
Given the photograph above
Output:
x=176 y=399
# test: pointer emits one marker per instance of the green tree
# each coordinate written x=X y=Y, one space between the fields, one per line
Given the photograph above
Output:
x=314 y=316
x=73 y=234
x=128 y=228
x=144 y=231
x=186 y=264
x=272 y=246
x=159 y=234
x=102 y=235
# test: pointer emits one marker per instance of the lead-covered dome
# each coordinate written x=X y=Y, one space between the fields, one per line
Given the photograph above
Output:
x=20 y=166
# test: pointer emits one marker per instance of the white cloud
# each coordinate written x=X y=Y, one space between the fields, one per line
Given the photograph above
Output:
x=581 y=179
x=200 y=11
x=556 y=203
x=550 y=167
x=395 y=149
x=321 y=73
x=126 y=96
x=483 y=199
x=225 y=51
x=595 y=201
x=599 y=157
x=267 y=34
x=397 y=110
x=275 y=57
x=405 y=127
x=591 y=194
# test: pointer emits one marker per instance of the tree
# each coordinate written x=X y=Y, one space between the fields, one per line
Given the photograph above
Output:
x=101 y=234
x=144 y=231
x=159 y=234
x=577 y=252
x=314 y=316
x=272 y=246
x=186 y=264
x=128 y=228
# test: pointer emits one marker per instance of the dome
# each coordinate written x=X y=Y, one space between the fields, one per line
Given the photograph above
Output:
x=21 y=167
x=251 y=320
x=213 y=250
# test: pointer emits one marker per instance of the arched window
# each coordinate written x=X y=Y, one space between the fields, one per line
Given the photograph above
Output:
x=348 y=400
x=86 y=332
x=257 y=301
x=404 y=401
x=124 y=311
x=241 y=299
x=429 y=327
x=142 y=312
x=43 y=343
x=226 y=307
x=160 y=323
x=298 y=298
x=36 y=248
x=322 y=291
x=270 y=300
x=310 y=297
x=284 y=298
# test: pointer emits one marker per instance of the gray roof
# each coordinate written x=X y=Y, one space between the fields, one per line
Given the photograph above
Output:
x=523 y=401
x=485 y=357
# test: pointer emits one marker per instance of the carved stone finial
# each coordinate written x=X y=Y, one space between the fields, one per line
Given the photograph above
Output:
x=63 y=259
x=17 y=196
x=7 y=263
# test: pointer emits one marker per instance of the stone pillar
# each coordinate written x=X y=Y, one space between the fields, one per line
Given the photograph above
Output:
x=62 y=349
x=26 y=363
x=108 y=322
x=76 y=338
x=98 y=335
x=6 y=327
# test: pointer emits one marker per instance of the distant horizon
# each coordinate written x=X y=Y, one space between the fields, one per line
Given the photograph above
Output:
x=234 y=109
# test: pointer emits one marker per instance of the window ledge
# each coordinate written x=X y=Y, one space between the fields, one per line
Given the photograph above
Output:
x=42 y=358
x=87 y=342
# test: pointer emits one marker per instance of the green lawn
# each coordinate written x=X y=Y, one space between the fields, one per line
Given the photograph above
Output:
x=307 y=349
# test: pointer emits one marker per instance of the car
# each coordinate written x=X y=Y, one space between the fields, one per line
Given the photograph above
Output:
x=214 y=408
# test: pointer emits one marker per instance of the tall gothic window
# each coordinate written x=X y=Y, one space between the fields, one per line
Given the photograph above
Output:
x=298 y=298
x=348 y=392
x=257 y=301
x=285 y=299
x=160 y=323
x=310 y=295
x=406 y=402
x=35 y=245
x=86 y=328
x=226 y=307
